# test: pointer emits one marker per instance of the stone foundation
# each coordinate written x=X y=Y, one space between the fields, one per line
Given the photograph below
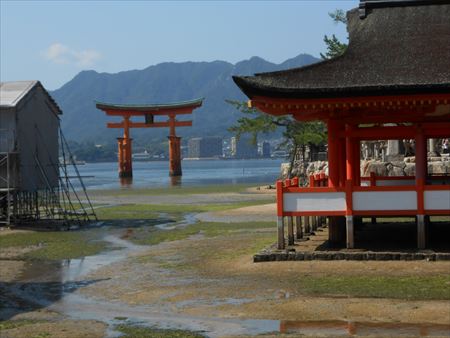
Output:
x=286 y=255
x=402 y=167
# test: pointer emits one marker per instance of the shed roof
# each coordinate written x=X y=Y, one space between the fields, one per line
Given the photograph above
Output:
x=396 y=47
x=13 y=92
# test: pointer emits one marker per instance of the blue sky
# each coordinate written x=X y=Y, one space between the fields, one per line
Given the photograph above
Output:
x=52 y=41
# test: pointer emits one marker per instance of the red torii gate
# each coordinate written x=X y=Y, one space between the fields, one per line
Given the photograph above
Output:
x=149 y=111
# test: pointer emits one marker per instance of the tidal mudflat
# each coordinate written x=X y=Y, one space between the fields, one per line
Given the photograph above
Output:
x=178 y=263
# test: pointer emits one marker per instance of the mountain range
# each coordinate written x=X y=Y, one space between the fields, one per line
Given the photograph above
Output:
x=162 y=83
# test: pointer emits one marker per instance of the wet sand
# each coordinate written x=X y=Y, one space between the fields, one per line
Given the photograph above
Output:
x=210 y=284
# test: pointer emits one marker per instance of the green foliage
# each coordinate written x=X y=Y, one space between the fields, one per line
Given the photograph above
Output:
x=295 y=132
x=253 y=122
x=335 y=47
x=297 y=135
x=338 y=16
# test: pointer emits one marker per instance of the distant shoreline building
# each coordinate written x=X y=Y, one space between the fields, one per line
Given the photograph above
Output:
x=205 y=147
x=243 y=147
x=265 y=149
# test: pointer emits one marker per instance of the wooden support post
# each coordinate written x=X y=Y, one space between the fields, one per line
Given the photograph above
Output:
x=290 y=226
x=336 y=229
x=298 y=227
x=307 y=225
x=321 y=221
x=280 y=225
x=421 y=232
x=313 y=223
x=350 y=232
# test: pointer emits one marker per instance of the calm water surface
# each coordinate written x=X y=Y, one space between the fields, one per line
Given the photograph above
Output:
x=201 y=172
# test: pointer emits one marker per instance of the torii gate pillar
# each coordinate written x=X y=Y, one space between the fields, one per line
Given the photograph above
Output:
x=174 y=156
x=124 y=150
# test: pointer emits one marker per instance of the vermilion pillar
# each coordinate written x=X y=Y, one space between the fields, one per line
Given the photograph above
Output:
x=336 y=165
x=356 y=161
x=333 y=153
x=350 y=175
x=349 y=157
x=342 y=162
x=174 y=149
x=174 y=156
x=421 y=175
x=124 y=148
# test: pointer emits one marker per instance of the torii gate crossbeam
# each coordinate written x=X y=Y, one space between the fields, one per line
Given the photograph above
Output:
x=149 y=112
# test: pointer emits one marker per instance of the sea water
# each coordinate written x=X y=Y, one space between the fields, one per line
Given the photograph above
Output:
x=155 y=174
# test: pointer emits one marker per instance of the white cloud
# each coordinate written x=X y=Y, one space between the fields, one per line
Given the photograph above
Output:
x=62 y=54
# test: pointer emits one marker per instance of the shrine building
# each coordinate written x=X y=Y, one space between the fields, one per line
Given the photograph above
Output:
x=392 y=82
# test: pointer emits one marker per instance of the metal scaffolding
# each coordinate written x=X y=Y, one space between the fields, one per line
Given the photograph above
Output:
x=60 y=205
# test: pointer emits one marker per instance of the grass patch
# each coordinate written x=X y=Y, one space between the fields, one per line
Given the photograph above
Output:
x=210 y=229
x=55 y=245
x=152 y=211
x=179 y=190
x=133 y=331
x=12 y=324
x=258 y=242
x=407 y=287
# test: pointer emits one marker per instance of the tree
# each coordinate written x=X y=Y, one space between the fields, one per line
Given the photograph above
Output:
x=297 y=135
x=335 y=47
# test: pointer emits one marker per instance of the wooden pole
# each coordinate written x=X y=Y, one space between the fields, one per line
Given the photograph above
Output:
x=290 y=224
x=307 y=225
x=280 y=225
x=298 y=227
x=350 y=232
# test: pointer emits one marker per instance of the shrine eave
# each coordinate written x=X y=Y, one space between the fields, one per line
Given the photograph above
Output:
x=149 y=107
x=252 y=87
x=363 y=109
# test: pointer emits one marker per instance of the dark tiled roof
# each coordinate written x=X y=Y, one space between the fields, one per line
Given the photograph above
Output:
x=149 y=107
x=392 y=50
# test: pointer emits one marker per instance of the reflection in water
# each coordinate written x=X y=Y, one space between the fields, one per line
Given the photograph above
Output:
x=175 y=181
x=339 y=328
x=202 y=172
x=126 y=182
